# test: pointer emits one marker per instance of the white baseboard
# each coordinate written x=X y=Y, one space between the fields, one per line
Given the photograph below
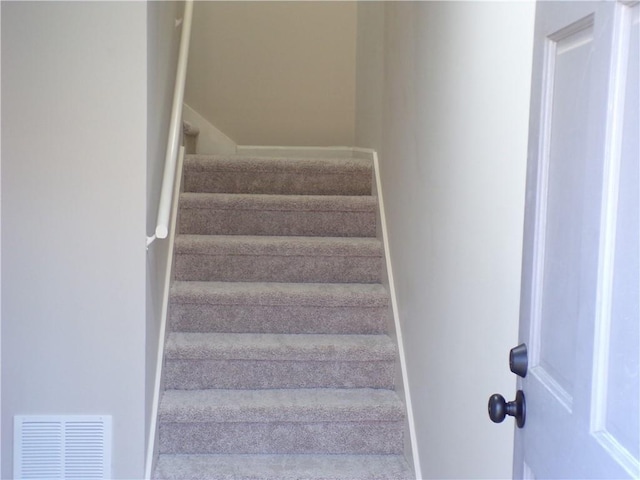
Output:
x=362 y=153
x=153 y=430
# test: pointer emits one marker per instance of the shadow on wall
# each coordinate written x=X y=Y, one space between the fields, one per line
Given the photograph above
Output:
x=275 y=73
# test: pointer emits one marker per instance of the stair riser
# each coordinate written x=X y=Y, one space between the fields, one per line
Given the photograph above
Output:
x=277 y=319
x=282 y=467
x=259 y=374
x=276 y=183
x=265 y=268
x=270 y=467
x=255 y=222
x=282 y=437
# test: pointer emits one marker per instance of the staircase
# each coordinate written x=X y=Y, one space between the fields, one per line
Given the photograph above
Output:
x=278 y=365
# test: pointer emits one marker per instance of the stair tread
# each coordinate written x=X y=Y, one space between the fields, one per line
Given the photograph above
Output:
x=252 y=164
x=248 y=201
x=278 y=347
x=273 y=294
x=278 y=245
x=281 y=405
x=282 y=467
x=277 y=175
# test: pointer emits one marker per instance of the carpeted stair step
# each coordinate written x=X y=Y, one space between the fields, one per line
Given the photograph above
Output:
x=239 y=258
x=352 y=421
x=289 y=176
x=277 y=364
x=245 y=307
x=264 y=361
x=243 y=214
x=282 y=467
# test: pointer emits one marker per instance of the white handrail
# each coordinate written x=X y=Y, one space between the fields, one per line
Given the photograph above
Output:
x=175 y=125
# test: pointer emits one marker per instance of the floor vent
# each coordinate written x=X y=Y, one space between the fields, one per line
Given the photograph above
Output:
x=62 y=447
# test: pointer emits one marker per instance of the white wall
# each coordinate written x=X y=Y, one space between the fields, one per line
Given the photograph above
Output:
x=73 y=217
x=449 y=117
x=370 y=74
x=275 y=73
x=163 y=42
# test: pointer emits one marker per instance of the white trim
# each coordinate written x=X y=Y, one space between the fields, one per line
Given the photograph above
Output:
x=609 y=219
x=151 y=447
x=396 y=315
x=0 y=264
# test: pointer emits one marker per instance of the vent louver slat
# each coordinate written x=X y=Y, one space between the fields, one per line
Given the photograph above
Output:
x=62 y=447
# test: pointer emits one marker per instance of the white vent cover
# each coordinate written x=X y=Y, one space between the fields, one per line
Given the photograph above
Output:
x=62 y=447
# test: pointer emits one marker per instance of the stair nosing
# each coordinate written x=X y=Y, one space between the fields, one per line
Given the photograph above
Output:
x=363 y=295
x=272 y=466
x=203 y=346
x=280 y=245
x=281 y=405
x=278 y=202
x=273 y=164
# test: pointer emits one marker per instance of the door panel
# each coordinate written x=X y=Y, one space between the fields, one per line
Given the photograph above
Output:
x=580 y=288
x=617 y=419
x=561 y=193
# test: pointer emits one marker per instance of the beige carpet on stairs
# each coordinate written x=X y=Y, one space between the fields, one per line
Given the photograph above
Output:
x=278 y=360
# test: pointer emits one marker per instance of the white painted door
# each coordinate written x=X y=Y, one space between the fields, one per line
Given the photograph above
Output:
x=579 y=303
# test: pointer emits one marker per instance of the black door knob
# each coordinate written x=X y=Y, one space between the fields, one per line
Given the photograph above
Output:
x=499 y=408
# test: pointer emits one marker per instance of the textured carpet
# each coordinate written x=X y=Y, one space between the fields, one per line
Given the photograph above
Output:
x=278 y=360
x=279 y=176
x=283 y=467
x=299 y=215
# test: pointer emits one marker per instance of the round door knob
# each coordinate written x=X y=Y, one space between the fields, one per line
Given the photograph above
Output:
x=499 y=408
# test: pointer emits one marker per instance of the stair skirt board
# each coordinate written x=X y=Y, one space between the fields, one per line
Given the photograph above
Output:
x=281 y=358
